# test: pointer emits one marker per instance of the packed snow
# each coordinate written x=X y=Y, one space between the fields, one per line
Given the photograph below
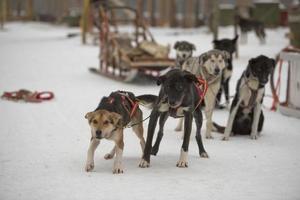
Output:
x=43 y=146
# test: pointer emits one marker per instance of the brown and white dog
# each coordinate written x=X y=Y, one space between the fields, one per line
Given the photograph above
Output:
x=208 y=66
x=108 y=120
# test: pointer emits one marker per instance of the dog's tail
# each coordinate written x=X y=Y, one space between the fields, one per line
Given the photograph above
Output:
x=147 y=100
x=218 y=128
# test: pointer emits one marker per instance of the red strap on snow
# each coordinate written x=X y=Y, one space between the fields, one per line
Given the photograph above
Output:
x=28 y=96
x=45 y=95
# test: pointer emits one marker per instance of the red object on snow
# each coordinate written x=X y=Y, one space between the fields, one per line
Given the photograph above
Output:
x=28 y=96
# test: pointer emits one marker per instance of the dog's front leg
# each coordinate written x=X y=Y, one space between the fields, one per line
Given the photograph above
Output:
x=162 y=120
x=226 y=90
x=183 y=159
x=118 y=166
x=209 y=106
x=231 y=118
x=145 y=161
x=257 y=111
x=90 y=154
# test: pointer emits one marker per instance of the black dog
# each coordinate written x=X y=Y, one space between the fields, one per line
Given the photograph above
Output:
x=179 y=96
x=228 y=45
x=247 y=25
x=246 y=116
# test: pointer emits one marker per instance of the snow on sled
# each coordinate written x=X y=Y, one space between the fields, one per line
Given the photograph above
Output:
x=124 y=55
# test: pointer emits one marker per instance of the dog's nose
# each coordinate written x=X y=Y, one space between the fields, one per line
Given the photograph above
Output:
x=217 y=71
x=98 y=134
x=183 y=55
x=264 y=81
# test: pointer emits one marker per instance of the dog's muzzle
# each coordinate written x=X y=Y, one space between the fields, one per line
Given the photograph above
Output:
x=99 y=134
x=217 y=71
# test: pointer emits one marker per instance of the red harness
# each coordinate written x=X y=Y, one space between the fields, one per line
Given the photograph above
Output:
x=201 y=87
x=201 y=93
x=125 y=96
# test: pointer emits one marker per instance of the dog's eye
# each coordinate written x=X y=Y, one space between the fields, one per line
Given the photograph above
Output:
x=95 y=121
x=212 y=61
x=106 y=122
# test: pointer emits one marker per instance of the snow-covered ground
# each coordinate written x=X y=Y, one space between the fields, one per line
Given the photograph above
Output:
x=43 y=146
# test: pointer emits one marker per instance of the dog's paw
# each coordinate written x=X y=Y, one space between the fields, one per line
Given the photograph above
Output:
x=118 y=169
x=209 y=137
x=144 y=164
x=204 y=155
x=182 y=164
x=154 y=151
x=225 y=138
x=108 y=156
x=254 y=137
x=89 y=167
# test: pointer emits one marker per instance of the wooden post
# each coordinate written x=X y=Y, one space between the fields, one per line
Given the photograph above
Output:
x=197 y=21
x=162 y=13
x=235 y=21
x=29 y=9
x=172 y=14
x=3 y=13
x=150 y=11
x=215 y=18
x=189 y=13
x=84 y=20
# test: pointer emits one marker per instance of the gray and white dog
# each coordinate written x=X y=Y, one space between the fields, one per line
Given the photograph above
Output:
x=208 y=66
x=184 y=51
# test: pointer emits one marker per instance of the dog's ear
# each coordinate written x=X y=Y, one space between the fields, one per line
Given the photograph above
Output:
x=189 y=76
x=226 y=55
x=215 y=42
x=176 y=45
x=252 y=61
x=161 y=80
x=203 y=58
x=89 y=115
x=235 y=39
x=116 y=119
